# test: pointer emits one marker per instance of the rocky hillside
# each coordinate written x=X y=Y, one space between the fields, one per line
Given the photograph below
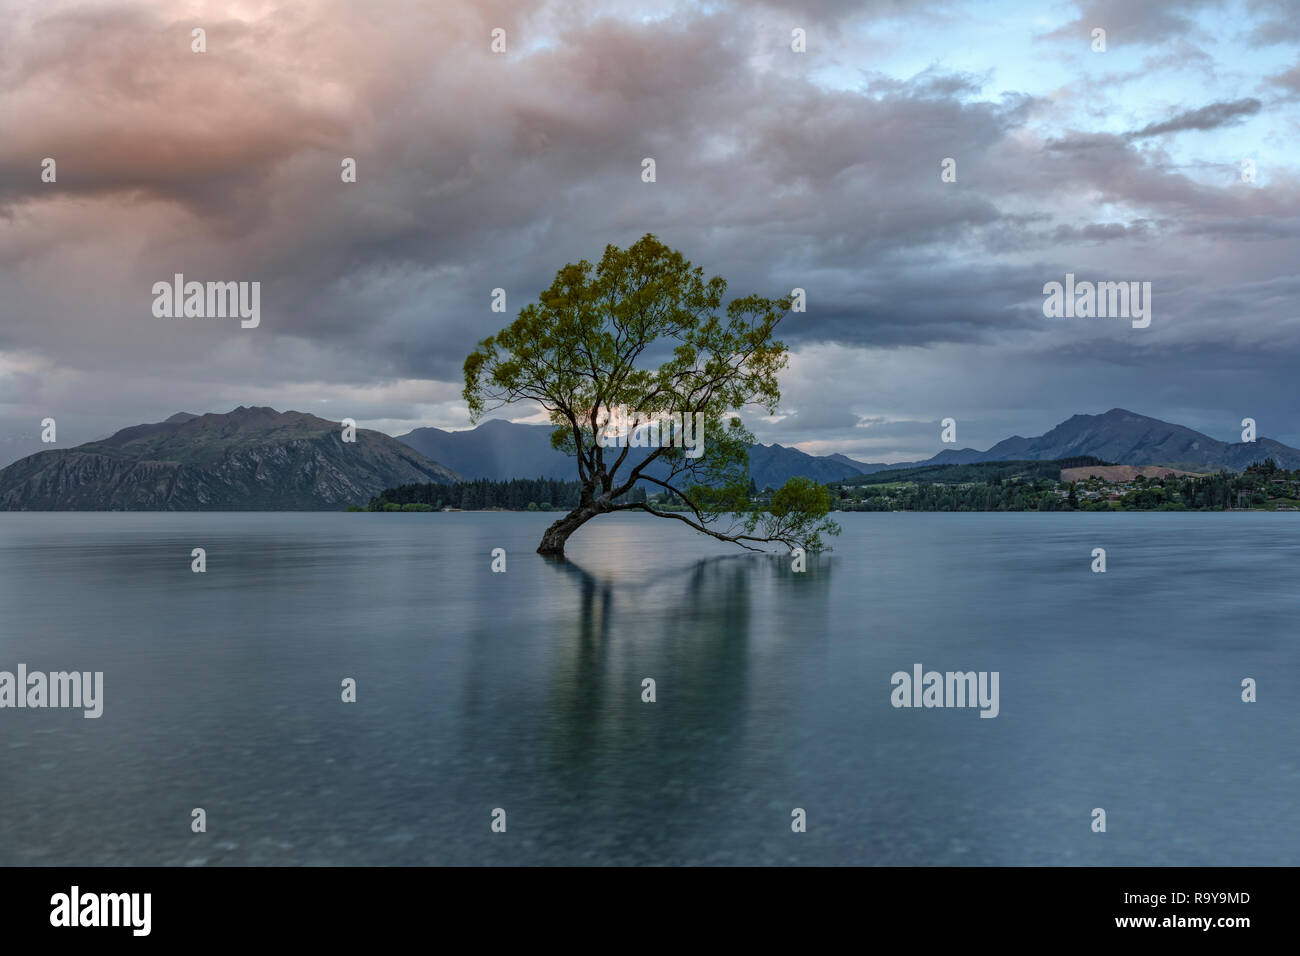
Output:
x=250 y=459
x=1132 y=439
x=1124 y=437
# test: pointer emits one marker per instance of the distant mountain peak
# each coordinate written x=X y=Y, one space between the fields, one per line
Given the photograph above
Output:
x=252 y=458
x=1131 y=438
x=499 y=449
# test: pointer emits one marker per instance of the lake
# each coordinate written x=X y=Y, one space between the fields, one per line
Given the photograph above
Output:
x=523 y=691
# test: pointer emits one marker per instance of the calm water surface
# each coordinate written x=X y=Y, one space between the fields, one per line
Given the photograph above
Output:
x=523 y=691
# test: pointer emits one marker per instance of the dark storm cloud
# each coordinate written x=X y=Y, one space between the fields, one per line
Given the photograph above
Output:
x=1204 y=118
x=766 y=179
x=1103 y=231
x=479 y=171
x=836 y=9
x=1288 y=81
x=1135 y=21
x=162 y=122
x=1275 y=22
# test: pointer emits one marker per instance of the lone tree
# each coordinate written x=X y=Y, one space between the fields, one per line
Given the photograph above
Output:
x=588 y=347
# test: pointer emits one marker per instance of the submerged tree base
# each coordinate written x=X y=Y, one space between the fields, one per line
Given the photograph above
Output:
x=796 y=519
x=558 y=533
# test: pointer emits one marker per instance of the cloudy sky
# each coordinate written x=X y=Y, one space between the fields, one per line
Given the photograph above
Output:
x=775 y=169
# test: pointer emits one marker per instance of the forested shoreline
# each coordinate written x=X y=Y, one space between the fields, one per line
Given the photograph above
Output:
x=1262 y=486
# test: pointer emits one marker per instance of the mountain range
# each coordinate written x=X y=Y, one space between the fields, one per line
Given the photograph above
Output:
x=260 y=459
x=249 y=459
x=1127 y=438
x=500 y=450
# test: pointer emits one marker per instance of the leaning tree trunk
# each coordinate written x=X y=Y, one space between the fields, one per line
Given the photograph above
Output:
x=558 y=533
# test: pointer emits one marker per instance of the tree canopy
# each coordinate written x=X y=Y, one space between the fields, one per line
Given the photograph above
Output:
x=644 y=330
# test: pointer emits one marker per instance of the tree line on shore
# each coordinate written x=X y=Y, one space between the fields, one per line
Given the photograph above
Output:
x=1255 y=487
x=517 y=494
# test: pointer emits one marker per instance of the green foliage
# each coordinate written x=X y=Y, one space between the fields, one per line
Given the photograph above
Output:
x=514 y=495
x=574 y=351
x=1267 y=467
x=991 y=472
x=1261 y=486
x=587 y=348
x=797 y=512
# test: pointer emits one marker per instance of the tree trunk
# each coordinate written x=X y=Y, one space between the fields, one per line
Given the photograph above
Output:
x=558 y=533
